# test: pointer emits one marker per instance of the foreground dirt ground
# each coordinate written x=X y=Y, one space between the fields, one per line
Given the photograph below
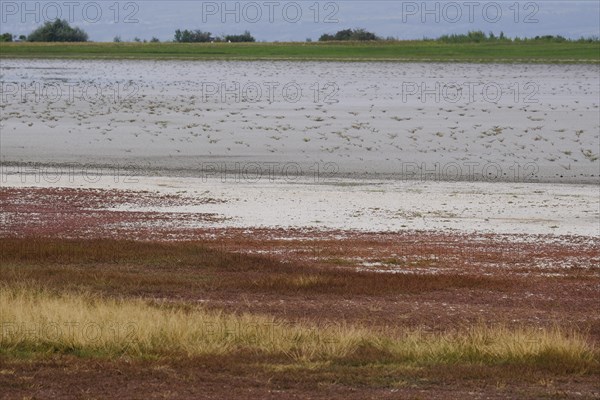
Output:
x=66 y=240
x=72 y=378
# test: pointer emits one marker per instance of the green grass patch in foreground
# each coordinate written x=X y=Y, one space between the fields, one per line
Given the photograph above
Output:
x=37 y=322
x=341 y=51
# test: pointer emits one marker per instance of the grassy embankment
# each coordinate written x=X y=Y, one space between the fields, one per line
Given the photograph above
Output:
x=534 y=51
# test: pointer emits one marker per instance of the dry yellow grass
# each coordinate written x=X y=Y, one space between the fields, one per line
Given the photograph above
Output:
x=36 y=321
x=40 y=321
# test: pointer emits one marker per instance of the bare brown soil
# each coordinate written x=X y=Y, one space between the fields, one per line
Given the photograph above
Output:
x=236 y=378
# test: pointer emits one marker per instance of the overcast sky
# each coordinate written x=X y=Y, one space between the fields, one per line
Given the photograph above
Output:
x=298 y=20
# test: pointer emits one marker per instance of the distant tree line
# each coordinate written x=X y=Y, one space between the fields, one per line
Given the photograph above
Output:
x=349 y=34
x=469 y=37
x=198 y=36
x=6 y=37
x=481 y=37
x=57 y=31
x=473 y=37
x=117 y=39
x=52 y=31
x=60 y=31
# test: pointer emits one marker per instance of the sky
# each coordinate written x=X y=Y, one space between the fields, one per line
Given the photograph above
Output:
x=300 y=20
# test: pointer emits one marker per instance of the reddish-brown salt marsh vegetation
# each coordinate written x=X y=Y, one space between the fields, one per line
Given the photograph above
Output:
x=309 y=313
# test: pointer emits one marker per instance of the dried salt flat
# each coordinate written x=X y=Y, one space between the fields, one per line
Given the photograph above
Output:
x=370 y=206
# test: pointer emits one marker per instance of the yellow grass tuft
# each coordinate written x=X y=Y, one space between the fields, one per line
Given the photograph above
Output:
x=39 y=322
